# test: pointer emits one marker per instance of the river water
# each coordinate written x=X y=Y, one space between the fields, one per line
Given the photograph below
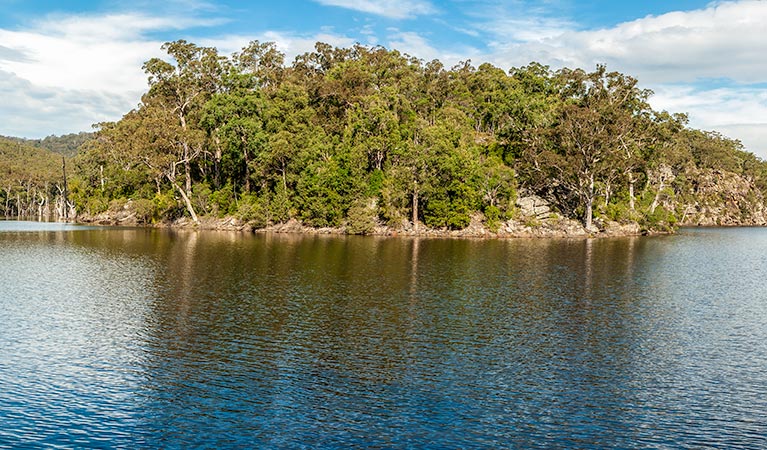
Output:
x=160 y=339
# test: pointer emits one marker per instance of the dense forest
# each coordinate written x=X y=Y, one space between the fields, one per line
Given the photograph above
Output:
x=361 y=137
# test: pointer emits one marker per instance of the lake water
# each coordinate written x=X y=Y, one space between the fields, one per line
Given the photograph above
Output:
x=159 y=339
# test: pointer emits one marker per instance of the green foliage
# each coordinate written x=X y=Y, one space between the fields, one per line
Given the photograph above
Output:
x=660 y=220
x=341 y=129
x=253 y=209
x=362 y=216
x=166 y=206
x=224 y=201
x=618 y=212
x=201 y=200
x=492 y=218
x=145 y=210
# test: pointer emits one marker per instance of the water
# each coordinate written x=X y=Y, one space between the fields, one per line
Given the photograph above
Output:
x=149 y=338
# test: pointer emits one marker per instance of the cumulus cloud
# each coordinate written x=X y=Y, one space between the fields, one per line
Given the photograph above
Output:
x=724 y=40
x=63 y=73
x=37 y=111
x=393 y=9
x=678 y=55
x=737 y=112
x=72 y=53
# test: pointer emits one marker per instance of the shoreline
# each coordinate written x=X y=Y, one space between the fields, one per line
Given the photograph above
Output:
x=550 y=228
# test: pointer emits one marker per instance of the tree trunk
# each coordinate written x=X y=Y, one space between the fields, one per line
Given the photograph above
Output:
x=187 y=155
x=217 y=156
x=247 y=164
x=656 y=200
x=65 y=191
x=415 y=207
x=589 y=203
x=589 y=211
x=187 y=170
x=631 y=190
x=187 y=202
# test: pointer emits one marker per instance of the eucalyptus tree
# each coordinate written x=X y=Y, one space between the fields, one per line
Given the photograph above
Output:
x=234 y=120
x=263 y=61
x=177 y=92
x=595 y=126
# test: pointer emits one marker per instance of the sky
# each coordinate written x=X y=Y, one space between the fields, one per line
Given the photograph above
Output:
x=65 y=65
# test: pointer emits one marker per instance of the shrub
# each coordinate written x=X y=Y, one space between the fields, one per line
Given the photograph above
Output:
x=362 y=216
x=145 y=210
x=253 y=209
x=167 y=207
x=223 y=201
x=492 y=218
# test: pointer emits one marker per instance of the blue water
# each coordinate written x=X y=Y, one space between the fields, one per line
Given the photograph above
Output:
x=155 y=339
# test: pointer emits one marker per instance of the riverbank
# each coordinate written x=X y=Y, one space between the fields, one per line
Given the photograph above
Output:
x=553 y=226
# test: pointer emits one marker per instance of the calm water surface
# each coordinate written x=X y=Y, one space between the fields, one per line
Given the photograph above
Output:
x=149 y=338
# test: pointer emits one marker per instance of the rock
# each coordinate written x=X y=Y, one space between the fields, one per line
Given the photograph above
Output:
x=718 y=198
x=533 y=206
x=612 y=228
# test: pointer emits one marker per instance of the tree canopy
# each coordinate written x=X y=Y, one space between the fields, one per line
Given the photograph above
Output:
x=366 y=135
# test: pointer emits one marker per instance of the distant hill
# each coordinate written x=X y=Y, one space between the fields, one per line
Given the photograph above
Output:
x=30 y=178
x=66 y=145
x=22 y=162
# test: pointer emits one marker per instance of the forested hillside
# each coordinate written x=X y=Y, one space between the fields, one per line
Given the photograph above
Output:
x=66 y=145
x=361 y=137
x=31 y=181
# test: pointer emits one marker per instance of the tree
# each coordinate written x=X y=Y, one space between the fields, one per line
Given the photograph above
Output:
x=594 y=129
x=234 y=119
x=176 y=95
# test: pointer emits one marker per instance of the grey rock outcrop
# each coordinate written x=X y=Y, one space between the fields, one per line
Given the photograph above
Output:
x=533 y=206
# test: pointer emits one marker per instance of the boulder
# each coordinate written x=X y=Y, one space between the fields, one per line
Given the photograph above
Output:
x=533 y=206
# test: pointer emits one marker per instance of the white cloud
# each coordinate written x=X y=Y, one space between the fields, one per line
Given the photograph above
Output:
x=675 y=54
x=393 y=9
x=418 y=46
x=37 y=111
x=92 y=53
x=507 y=22
x=753 y=136
x=290 y=44
x=737 y=112
x=724 y=40
x=64 y=73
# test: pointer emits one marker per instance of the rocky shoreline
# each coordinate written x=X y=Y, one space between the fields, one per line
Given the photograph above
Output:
x=553 y=226
x=721 y=200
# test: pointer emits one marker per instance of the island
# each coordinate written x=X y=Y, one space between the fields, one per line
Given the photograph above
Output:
x=368 y=140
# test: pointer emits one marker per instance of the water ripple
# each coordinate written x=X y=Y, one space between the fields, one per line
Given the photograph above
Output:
x=144 y=339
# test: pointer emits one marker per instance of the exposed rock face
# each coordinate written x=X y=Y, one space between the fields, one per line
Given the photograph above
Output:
x=552 y=226
x=715 y=198
x=621 y=229
x=533 y=206
x=124 y=215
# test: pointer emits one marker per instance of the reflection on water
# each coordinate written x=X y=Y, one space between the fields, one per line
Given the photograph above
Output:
x=175 y=339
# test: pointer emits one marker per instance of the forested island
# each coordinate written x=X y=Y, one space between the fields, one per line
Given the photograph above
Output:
x=368 y=140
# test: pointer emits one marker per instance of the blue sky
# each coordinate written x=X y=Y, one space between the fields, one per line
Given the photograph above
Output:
x=66 y=65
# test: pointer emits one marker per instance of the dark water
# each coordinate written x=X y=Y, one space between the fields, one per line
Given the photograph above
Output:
x=147 y=339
